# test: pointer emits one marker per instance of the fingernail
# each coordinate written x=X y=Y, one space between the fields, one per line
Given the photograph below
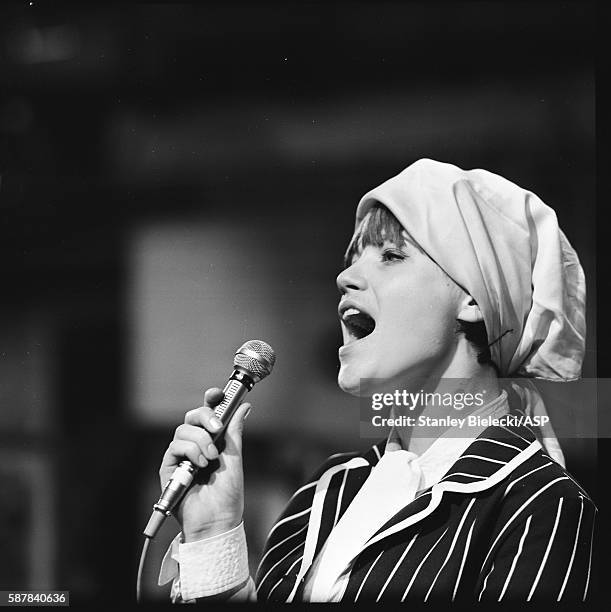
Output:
x=212 y=451
x=202 y=461
x=246 y=414
x=215 y=422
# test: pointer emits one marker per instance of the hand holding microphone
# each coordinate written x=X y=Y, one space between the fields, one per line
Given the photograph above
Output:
x=205 y=489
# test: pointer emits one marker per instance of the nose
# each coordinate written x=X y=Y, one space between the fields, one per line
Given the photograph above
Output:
x=351 y=278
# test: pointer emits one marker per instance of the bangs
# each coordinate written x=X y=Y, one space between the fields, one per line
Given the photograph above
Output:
x=378 y=226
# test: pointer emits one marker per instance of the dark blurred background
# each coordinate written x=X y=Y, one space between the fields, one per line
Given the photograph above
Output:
x=178 y=179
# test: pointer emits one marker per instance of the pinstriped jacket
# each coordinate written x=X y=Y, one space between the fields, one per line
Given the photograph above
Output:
x=506 y=522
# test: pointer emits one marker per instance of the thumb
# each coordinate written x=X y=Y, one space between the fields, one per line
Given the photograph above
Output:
x=233 y=433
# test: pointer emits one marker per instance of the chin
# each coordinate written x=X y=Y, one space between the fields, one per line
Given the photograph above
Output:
x=356 y=384
x=350 y=383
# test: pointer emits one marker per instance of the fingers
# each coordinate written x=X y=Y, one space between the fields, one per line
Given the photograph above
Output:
x=233 y=434
x=178 y=450
x=203 y=417
x=236 y=425
x=213 y=396
x=199 y=436
x=193 y=438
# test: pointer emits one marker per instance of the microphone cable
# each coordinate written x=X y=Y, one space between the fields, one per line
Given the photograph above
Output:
x=145 y=548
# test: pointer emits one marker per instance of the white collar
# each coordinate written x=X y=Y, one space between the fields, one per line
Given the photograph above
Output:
x=444 y=452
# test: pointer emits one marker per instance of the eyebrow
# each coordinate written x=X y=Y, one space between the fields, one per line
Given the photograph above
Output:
x=353 y=250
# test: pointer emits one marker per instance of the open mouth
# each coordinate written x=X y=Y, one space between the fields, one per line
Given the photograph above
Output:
x=358 y=323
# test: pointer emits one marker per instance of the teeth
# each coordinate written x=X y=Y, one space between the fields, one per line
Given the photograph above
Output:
x=349 y=312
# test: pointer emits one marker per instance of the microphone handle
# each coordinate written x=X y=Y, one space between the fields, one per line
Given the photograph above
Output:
x=238 y=385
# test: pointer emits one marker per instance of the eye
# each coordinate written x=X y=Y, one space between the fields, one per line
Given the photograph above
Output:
x=389 y=255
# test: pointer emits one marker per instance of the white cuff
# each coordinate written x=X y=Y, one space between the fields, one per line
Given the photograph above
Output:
x=207 y=567
x=169 y=563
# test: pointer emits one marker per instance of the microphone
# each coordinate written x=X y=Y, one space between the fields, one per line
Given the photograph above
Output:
x=253 y=361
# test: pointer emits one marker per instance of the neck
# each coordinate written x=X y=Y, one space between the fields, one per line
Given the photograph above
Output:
x=457 y=383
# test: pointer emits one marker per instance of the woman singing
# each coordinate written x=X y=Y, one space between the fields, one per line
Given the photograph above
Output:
x=454 y=282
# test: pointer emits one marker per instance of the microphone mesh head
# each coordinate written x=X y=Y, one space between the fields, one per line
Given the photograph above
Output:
x=256 y=357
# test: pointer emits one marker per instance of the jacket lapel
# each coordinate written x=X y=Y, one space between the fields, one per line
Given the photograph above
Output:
x=489 y=459
x=331 y=497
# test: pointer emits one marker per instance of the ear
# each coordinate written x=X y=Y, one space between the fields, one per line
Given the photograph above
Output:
x=469 y=311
